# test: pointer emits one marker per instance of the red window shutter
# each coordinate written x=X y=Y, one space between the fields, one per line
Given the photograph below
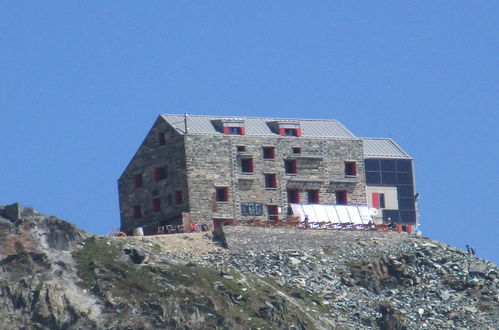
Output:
x=156 y=205
x=274 y=180
x=297 y=196
x=272 y=153
x=250 y=165
x=376 y=200
x=226 y=194
x=281 y=131
x=298 y=132
x=226 y=130
x=316 y=196
x=354 y=168
x=243 y=130
x=293 y=166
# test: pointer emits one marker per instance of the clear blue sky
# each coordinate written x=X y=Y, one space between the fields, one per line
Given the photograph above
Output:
x=81 y=83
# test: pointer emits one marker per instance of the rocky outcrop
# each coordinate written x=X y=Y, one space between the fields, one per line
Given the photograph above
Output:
x=54 y=276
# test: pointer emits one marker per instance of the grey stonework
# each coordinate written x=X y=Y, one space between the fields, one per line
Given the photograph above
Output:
x=199 y=163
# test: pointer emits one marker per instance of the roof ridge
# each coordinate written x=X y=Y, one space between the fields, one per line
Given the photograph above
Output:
x=250 y=117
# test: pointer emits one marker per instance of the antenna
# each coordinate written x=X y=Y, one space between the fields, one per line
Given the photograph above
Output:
x=185 y=123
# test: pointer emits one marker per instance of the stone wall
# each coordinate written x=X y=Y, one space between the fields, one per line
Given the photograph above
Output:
x=149 y=156
x=214 y=161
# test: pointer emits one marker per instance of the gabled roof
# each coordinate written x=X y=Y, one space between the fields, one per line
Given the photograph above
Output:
x=383 y=148
x=197 y=124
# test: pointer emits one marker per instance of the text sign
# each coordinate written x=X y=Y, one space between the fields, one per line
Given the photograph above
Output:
x=252 y=209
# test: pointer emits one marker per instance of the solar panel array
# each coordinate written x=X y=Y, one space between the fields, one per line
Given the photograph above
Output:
x=339 y=214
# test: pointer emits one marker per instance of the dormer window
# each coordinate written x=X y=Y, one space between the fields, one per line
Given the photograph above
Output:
x=285 y=127
x=234 y=130
x=230 y=126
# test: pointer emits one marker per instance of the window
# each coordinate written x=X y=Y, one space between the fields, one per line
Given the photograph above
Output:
x=241 y=148
x=137 y=212
x=351 y=168
x=297 y=150
x=268 y=152
x=293 y=196
x=247 y=165
x=313 y=196
x=270 y=181
x=341 y=197
x=156 y=205
x=161 y=138
x=234 y=130
x=178 y=198
x=378 y=200
x=273 y=212
x=290 y=166
x=222 y=194
x=138 y=180
x=289 y=131
x=160 y=173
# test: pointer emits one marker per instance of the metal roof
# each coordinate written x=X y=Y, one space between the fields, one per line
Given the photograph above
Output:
x=383 y=148
x=197 y=124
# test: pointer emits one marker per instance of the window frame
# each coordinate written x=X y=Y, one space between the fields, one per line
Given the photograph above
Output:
x=314 y=193
x=272 y=182
x=137 y=211
x=156 y=205
x=268 y=152
x=138 y=179
x=292 y=168
x=272 y=212
x=249 y=168
x=350 y=168
x=179 y=199
x=161 y=138
x=221 y=194
x=161 y=173
x=341 y=196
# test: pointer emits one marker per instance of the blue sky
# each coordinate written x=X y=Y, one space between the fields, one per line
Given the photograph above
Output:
x=81 y=83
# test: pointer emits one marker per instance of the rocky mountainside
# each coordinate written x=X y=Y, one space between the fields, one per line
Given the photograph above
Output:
x=55 y=276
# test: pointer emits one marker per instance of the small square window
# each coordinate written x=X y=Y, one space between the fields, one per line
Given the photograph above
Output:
x=222 y=194
x=313 y=196
x=161 y=138
x=297 y=150
x=156 y=205
x=341 y=197
x=137 y=211
x=270 y=181
x=268 y=152
x=290 y=166
x=247 y=165
x=138 y=180
x=234 y=130
x=241 y=148
x=273 y=212
x=351 y=168
x=160 y=173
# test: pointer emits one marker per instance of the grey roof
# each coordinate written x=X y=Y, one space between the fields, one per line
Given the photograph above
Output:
x=383 y=148
x=197 y=124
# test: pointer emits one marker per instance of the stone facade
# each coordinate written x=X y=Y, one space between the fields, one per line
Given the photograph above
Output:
x=179 y=176
x=152 y=155
x=214 y=161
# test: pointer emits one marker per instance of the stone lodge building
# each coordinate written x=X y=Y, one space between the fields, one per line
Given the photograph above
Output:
x=203 y=169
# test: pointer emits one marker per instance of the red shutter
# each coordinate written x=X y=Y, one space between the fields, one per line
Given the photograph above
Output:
x=243 y=130
x=281 y=131
x=178 y=197
x=298 y=132
x=274 y=180
x=293 y=166
x=272 y=153
x=226 y=130
x=376 y=200
x=250 y=163
x=226 y=194
x=354 y=168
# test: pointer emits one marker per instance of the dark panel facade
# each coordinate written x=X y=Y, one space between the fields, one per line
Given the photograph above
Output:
x=394 y=173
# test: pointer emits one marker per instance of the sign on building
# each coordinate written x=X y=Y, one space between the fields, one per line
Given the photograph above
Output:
x=252 y=209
